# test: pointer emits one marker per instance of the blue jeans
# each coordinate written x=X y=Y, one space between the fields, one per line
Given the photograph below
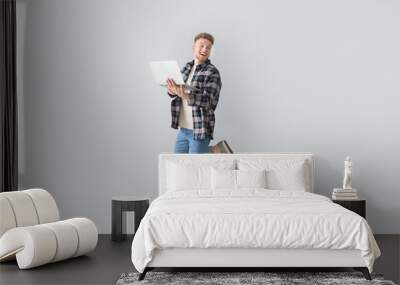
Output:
x=186 y=144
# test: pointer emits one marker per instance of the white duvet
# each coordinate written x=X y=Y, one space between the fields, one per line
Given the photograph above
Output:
x=250 y=218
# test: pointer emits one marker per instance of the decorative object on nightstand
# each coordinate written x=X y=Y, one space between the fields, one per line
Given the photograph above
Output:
x=344 y=194
x=122 y=204
x=358 y=206
x=347 y=179
x=347 y=192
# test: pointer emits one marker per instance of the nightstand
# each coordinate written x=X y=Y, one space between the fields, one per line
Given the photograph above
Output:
x=357 y=206
x=121 y=204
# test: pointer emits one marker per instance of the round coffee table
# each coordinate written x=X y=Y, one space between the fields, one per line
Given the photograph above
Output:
x=120 y=204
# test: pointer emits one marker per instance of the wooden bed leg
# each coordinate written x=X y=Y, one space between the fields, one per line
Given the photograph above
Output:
x=143 y=274
x=364 y=271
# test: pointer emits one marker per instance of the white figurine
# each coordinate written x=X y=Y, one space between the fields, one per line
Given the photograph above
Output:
x=347 y=173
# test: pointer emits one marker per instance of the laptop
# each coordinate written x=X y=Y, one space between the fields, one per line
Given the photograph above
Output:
x=162 y=70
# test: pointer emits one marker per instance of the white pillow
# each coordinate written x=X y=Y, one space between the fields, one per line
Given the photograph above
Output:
x=187 y=177
x=281 y=174
x=251 y=178
x=237 y=179
x=189 y=174
x=223 y=179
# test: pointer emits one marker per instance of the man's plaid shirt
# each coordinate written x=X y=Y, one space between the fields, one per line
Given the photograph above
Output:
x=203 y=99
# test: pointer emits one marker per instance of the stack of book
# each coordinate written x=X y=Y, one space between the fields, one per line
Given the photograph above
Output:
x=344 y=194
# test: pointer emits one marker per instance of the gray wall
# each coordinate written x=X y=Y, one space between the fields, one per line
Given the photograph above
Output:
x=319 y=76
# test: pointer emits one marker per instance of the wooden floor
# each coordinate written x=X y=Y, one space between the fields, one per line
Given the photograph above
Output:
x=111 y=259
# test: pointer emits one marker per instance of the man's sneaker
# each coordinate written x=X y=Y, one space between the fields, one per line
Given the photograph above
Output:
x=221 y=147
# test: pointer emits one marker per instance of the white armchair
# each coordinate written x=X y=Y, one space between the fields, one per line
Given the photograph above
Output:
x=31 y=230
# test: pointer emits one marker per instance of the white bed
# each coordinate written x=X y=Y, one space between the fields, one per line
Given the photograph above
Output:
x=192 y=224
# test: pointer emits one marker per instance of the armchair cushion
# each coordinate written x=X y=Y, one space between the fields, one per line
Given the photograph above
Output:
x=31 y=232
x=40 y=244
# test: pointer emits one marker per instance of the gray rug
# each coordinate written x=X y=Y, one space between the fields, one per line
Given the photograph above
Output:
x=229 y=278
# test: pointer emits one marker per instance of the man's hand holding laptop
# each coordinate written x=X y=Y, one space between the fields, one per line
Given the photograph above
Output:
x=176 y=89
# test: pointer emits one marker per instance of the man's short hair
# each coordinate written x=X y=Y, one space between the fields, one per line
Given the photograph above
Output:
x=206 y=36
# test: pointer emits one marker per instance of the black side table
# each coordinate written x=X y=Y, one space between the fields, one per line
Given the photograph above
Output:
x=357 y=206
x=123 y=204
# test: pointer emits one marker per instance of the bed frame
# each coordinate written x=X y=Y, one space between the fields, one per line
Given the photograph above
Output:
x=246 y=259
x=260 y=259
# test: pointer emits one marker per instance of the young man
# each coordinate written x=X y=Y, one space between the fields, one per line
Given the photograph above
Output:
x=193 y=108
